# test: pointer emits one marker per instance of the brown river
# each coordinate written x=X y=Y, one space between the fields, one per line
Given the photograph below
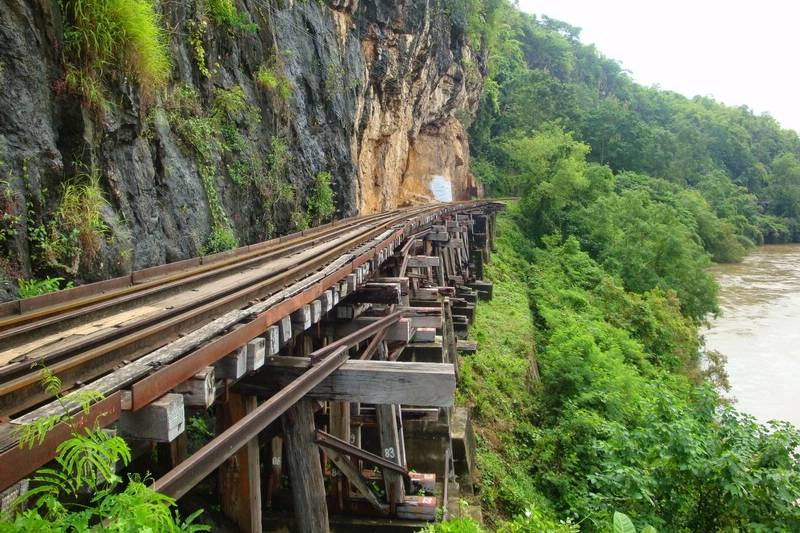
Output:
x=759 y=331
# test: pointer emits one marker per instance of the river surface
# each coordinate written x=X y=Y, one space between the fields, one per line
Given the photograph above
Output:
x=759 y=331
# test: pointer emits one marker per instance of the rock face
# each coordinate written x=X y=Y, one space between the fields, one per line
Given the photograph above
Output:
x=372 y=90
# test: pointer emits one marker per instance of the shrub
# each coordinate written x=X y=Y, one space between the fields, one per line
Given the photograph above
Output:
x=106 y=37
x=223 y=12
x=270 y=80
x=320 y=198
x=28 y=288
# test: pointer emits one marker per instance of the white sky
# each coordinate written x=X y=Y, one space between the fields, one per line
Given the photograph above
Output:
x=738 y=52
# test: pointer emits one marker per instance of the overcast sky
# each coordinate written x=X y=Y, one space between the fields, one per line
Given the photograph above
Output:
x=738 y=52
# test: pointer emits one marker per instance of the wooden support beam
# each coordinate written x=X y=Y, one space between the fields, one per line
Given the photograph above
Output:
x=302 y=459
x=351 y=472
x=377 y=293
x=161 y=421
x=339 y=426
x=423 y=261
x=199 y=391
x=390 y=443
x=274 y=481
x=256 y=352
x=422 y=384
x=232 y=366
x=240 y=475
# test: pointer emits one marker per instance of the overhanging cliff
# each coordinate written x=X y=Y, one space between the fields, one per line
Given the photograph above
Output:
x=254 y=110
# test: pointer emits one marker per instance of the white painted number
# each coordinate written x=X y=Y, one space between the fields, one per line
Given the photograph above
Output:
x=388 y=453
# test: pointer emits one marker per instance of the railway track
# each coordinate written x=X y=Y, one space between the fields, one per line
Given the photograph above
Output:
x=83 y=333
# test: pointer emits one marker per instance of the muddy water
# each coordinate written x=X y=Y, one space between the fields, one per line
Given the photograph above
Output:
x=759 y=331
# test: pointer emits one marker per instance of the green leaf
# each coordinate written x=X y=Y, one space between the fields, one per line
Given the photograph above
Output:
x=649 y=529
x=623 y=524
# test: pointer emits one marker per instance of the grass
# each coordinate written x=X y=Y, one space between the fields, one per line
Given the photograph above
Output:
x=72 y=238
x=113 y=39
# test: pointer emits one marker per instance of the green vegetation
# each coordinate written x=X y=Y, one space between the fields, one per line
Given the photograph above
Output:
x=83 y=491
x=28 y=288
x=319 y=202
x=223 y=12
x=590 y=398
x=270 y=80
x=589 y=391
x=737 y=173
x=113 y=39
x=71 y=239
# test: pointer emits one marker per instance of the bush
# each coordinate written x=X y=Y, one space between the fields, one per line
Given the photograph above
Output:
x=225 y=13
x=270 y=80
x=86 y=463
x=320 y=198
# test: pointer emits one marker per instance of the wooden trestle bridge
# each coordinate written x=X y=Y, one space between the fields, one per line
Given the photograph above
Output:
x=329 y=358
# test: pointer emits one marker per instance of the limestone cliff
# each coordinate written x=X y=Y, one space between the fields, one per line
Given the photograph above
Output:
x=367 y=90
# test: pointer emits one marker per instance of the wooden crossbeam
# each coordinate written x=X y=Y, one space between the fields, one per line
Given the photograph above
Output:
x=379 y=382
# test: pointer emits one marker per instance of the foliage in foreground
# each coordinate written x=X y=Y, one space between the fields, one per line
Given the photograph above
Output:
x=621 y=419
x=83 y=491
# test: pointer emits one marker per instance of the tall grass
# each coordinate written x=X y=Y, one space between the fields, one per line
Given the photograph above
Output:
x=113 y=38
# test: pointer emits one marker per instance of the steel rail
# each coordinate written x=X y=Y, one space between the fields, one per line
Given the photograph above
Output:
x=175 y=321
x=8 y=371
x=27 y=322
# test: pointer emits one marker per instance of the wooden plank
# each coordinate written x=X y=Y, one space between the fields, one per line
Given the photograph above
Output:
x=316 y=311
x=285 y=326
x=301 y=319
x=423 y=261
x=272 y=340
x=232 y=366
x=421 y=384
